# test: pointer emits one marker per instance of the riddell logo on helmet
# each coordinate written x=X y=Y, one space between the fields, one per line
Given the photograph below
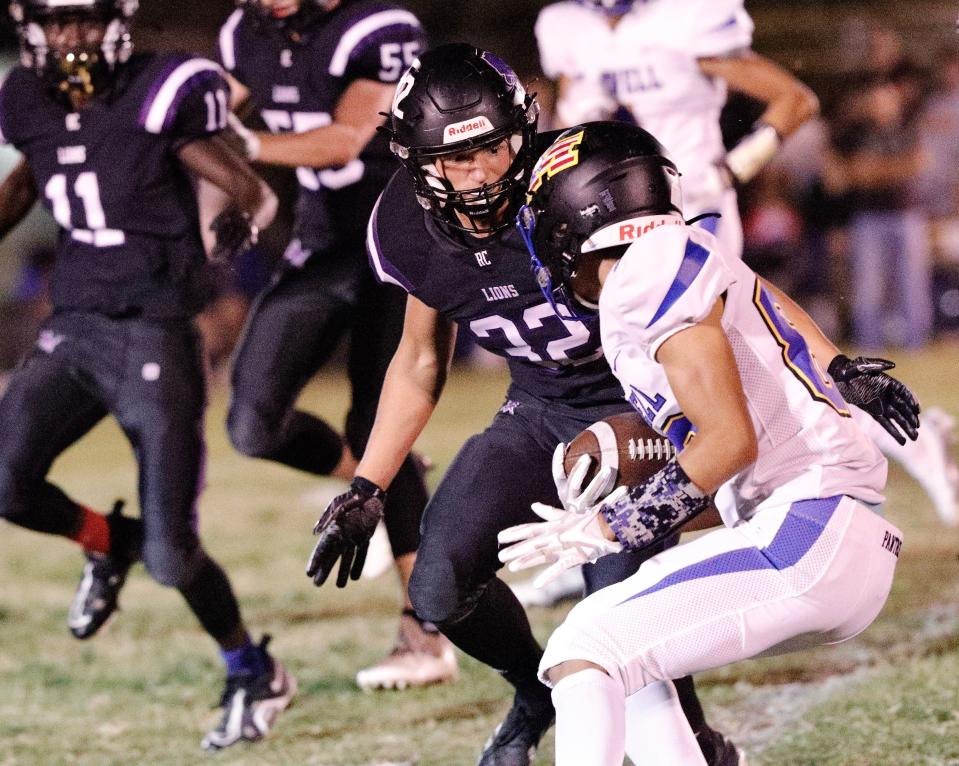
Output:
x=459 y=131
x=631 y=231
x=628 y=231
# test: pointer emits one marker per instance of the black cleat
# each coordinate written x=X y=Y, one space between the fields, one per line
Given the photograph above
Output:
x=515 y=740
x=719 y=750
x=97 y=595
x=251 y=704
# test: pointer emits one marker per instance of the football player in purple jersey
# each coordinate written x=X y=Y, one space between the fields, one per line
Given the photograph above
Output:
x=110 y=141
x=320 y=73
x=465 y=129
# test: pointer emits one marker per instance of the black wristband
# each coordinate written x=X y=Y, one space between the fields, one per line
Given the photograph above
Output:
x=366 y=487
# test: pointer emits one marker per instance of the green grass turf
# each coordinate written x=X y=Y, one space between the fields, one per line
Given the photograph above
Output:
x=142 y=692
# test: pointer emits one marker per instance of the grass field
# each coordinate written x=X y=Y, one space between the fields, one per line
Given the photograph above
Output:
x=142 y=692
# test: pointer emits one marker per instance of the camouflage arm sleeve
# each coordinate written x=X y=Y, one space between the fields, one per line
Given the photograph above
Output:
x=656 y=508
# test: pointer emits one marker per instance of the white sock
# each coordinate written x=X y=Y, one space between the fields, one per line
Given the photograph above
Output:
x=657 y=732
x=590 y=722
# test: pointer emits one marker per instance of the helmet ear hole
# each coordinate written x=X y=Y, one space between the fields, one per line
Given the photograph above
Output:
x=559 y=235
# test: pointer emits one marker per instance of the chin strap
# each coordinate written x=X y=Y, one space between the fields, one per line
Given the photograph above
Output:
x=701 y=216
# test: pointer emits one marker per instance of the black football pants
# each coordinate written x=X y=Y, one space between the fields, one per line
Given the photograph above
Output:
x=149 y=376
x=294 y=326
x=490 y=485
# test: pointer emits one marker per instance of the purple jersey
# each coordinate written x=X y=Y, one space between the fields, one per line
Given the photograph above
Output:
x=488 y=288
x=296 y=87
x=130 y=241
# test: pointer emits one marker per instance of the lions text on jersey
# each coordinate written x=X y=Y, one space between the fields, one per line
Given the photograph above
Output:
x=111 y=178
x=486 y=287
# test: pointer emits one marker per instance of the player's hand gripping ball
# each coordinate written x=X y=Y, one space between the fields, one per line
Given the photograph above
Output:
x=622 y=451
x=624 y=443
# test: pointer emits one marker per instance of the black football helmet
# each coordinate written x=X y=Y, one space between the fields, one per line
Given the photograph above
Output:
x=609 y=7
x=294 y=24
x=82 y=69
x=593 y=176
x=457 y=98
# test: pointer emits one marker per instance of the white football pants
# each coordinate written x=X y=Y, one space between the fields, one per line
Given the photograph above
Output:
x=792 y=577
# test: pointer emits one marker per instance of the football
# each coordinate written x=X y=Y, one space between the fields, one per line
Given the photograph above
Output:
x=624 y=442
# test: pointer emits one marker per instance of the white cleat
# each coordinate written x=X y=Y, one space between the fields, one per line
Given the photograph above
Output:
x=568 y=586
x=251 y=704
x=930 y=459
x=421 y=657
x=941 y=475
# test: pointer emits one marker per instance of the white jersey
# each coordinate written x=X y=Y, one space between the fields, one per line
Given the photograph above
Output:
x=649 y=64
x=808 y=445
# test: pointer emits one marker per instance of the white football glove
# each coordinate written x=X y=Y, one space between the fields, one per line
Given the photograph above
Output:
x=572 y=496
x=251 y=142
x=565 y=539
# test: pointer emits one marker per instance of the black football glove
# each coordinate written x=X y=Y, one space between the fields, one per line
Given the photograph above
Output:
x=863 y=382
x=235 y=234
x=345 y=529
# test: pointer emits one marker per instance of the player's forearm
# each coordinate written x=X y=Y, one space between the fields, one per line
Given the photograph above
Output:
x=214 y=160
x=330 y=146
x=260 y=203
x=702 y=372
x=791 y=108
x=17 y=195
x=789 y=102
x=410 y=392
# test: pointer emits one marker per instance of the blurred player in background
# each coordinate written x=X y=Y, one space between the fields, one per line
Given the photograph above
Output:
x=667 y=66
x=698 y=339
x=109 y=139
x=465 y=129
x=321 y=72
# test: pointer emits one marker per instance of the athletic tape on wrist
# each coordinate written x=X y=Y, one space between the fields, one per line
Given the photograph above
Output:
x=654 y=509
x=757 y=148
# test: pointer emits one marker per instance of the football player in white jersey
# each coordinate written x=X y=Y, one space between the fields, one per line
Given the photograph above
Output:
x=667 y=65
x=704 y=347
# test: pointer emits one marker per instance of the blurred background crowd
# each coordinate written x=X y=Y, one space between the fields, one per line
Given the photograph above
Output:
x=858 y=216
